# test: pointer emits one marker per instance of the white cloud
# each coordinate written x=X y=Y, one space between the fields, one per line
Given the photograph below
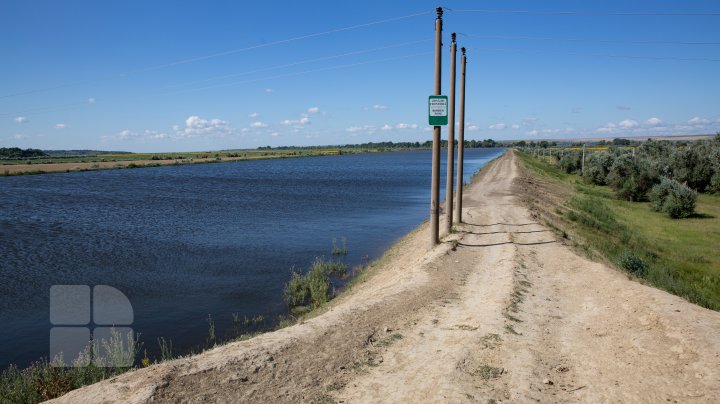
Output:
x=313 y=110
x=629 y=124
x=472 y=128
x=379 y=107
x=406 y=126
x=91 y=100
x=126 y=134
x=254 y=114
x=386 y=127
x=268 y=90
x=155 y=135
x=275 y=134
x=196 y=126
x=532 y=132
x=551 y=131
x=19 y=136
x=697 y=121
x=365 y=128
x=258 y=124
x=515 y=126
x=498 y=126
x=654 y=121
x=302 y=121
x=20 y=119
x=60 y=126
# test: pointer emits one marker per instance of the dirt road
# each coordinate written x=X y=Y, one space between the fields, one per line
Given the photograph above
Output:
x=507 y=313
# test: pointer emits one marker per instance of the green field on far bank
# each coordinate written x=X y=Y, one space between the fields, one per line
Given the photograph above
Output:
x=676 y=255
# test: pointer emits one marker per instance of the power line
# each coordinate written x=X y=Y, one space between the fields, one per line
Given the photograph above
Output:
x=643 y=42
x=597 y=54
x=336 y=67
x=586 y=13
x=219 y=54
x=359 y=52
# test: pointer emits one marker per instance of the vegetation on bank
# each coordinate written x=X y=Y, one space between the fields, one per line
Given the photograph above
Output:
x=46 y=379
x=393 y=145
x=18 y=153
x=676 y=255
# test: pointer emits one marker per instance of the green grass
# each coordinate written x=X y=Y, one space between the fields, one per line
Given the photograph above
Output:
x=312 y=288
x=676 y=255
x=44 y=380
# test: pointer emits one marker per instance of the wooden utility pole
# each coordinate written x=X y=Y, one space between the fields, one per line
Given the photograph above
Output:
x=582 y=170
x=435 y=186
x=461 y=142
x=451 y=141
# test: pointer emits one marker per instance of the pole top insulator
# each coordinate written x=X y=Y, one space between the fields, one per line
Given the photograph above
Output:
x=439 y=12
x=453 y=36
x=463 y=50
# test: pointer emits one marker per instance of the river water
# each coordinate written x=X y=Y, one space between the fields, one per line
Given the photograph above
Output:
x=186 y=242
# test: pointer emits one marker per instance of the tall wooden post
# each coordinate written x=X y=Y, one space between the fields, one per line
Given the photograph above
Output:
x=451 y=141
x=435 y=186
x=461 y=142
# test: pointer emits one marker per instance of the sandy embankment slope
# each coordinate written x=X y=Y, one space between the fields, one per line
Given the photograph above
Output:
x=510 y=308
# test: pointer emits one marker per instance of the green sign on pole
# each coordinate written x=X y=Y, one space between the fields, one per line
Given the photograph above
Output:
x=438 y=110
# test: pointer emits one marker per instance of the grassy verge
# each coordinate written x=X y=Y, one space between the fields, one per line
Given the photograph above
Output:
x=9 y=167
x=676 y=255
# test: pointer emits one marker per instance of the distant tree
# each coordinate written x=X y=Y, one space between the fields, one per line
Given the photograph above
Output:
x=674 y=198
x=17 y=153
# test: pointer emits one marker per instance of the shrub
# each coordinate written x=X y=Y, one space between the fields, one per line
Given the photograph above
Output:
x=571 y=162
x=597 y=166
x=633 y=263
x=630 y=178
x=673 y=198
x=313 y=287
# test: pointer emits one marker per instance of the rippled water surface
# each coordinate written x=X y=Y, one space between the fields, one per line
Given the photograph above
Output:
x=185 y=242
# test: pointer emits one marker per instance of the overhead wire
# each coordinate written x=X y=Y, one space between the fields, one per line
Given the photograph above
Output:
x=641 y=42
x=336 y=67
x=306 y=61
x=596 y=54
x=585 y=13
x=218 y=54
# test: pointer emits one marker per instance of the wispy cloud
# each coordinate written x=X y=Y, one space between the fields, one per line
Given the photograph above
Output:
x=364 y=128
x=498 y=126
x=379 y=107
x=302 y=121
x=20 y=119
x=629 y=124
x=254 y=114
x=60 y=126
x=313 y=110
x=697 y=121
x=258 y=124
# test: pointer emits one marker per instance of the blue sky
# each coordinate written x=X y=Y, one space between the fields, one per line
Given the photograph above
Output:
x=189 y=75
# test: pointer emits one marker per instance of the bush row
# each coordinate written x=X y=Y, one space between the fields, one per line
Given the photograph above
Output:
x=669 y=174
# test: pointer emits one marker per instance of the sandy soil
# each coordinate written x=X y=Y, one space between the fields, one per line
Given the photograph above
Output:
x=506 y=313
